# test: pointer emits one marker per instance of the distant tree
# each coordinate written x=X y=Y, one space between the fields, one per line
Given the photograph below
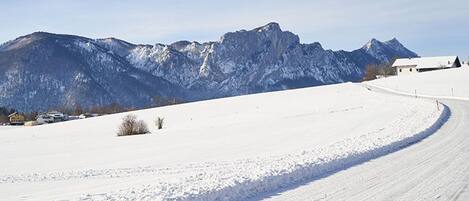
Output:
x=4 y=118
x=4 y=112
x=108 y=109
x=373 y=70
x=114 y=108
x=31 y=116
x=164 y=101
x=386 y=70
x=77 y=110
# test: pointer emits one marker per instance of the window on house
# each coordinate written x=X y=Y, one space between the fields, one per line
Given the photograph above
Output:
x=410 y=70
x=400 y=70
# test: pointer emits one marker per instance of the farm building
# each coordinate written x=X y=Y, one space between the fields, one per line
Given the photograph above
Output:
x=16 y=119
x=422 y=64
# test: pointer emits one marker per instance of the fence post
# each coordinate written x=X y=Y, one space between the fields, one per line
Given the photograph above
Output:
x=452 y=91
x=415 y=93
x=437 y=105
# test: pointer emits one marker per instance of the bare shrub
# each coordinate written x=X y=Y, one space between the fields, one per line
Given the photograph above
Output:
x=142 y=127
x=131 y=126
x=159 y=123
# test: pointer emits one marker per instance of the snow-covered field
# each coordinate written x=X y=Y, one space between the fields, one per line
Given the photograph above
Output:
x=226 y=149
x=434 y=169
x=443 y=83
x=8 y=127
x=5 y=128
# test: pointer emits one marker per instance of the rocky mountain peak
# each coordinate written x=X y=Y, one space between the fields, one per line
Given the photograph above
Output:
x=249 y=44
x=23 y=41
x=373 y=43
x=272 y=27
x=65 y=69
x=397 y=46
x=393 y=40
x=388 y=50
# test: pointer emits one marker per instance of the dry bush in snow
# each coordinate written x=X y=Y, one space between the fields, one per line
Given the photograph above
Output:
x=131 y=126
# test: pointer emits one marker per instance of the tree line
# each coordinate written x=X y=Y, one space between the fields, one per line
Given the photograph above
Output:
x=77 y=109
x=372 y=71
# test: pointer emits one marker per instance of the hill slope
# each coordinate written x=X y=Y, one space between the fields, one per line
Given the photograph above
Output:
x=445 y=83
x=433 y=169
x=254 y=144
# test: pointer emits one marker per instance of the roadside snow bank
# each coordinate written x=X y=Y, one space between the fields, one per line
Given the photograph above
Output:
x=248 y=178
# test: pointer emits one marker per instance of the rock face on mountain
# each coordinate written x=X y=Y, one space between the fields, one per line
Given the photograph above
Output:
x=43 y=70
x=387 y=51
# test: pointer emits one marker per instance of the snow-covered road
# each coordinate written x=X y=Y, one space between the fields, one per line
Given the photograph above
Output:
x=437 y=168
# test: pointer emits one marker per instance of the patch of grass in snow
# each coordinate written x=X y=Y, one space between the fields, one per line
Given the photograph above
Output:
x=159 y=123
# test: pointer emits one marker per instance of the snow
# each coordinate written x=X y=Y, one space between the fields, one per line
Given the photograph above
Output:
x=7 y=127
x=432 y=169
x=87 y=46
x=427 y=62
x=225 y=149
x=448 y=83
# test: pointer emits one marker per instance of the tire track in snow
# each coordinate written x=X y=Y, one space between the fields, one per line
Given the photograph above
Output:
x=434 y=169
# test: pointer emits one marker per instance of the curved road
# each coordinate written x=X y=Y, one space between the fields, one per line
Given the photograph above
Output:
x=436 y=168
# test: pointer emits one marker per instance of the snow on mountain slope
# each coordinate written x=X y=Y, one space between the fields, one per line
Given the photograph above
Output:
x=388 y=50
x=263 y=59
x=444 y=83
x=74 y=70
x=222 y=149
x=43 y=71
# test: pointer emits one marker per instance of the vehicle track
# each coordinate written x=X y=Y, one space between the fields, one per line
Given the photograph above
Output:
x=436 y=168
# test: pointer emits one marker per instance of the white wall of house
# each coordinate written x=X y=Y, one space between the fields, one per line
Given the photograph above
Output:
x=423 y=64
x=406 y=70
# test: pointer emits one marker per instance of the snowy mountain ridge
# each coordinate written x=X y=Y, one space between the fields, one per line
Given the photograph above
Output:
x=242 y=62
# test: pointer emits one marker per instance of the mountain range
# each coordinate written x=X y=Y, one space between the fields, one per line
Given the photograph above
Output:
x=43 y=70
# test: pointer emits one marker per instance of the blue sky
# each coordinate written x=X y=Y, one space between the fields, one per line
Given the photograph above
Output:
x=428 y=27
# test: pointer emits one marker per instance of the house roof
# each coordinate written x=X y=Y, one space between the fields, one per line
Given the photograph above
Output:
x=427 y=62
x=12 y=114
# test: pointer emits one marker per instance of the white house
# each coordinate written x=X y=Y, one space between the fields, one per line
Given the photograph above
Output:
x=422 y=64
x=58 y=116
x=44 y=119
x=51 y=117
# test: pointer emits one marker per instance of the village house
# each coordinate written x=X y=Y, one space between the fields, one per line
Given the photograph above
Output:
x=44 y=119
x=58 y=116
x=423 y=64
x=51 y=117
x=16 y=119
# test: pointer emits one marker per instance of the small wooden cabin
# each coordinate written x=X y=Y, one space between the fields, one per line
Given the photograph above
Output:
x=16 y=119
